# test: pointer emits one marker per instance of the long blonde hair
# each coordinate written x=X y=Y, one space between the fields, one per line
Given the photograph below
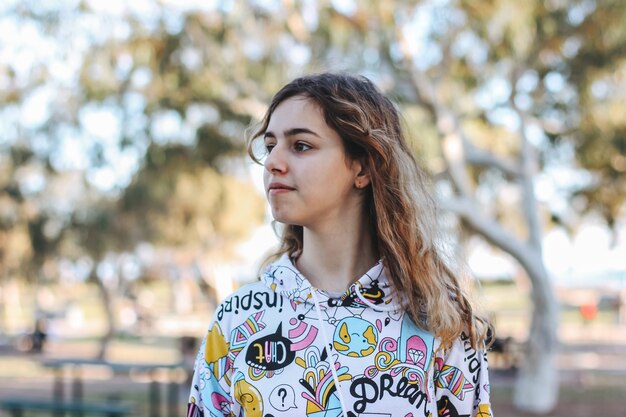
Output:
x=399 y=202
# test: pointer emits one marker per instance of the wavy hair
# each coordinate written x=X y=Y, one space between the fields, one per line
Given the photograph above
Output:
x=399 y=202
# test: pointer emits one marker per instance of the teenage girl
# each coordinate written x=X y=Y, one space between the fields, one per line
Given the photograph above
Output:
x=358 y=314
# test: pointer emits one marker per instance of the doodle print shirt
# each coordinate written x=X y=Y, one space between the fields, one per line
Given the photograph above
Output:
x=280 y=347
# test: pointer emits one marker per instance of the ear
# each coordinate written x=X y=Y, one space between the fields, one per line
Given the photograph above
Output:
x=362 y=178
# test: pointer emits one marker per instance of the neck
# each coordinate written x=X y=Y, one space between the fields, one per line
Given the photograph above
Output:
x=336 y=257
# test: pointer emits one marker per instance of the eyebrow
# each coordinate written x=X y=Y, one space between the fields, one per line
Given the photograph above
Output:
x=292 y=132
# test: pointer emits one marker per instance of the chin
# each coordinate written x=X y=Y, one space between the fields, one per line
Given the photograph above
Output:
x=279 y=216
x=285 y=219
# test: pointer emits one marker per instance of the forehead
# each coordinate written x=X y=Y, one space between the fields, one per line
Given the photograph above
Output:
x=296 y=111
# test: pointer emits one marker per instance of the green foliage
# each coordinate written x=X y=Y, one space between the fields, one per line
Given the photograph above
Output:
x=178 y=200
x=182 y=193
x=576 y=50
x=553 y=67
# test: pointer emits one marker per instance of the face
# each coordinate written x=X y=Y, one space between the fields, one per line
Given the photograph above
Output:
x=309 y=179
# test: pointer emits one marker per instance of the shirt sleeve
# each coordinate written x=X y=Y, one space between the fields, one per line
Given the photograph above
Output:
x=210 y=385
x=462 y=381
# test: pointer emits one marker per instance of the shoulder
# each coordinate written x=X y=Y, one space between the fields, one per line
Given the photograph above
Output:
x=248 y=300
x=254 y=286
x=460 y=351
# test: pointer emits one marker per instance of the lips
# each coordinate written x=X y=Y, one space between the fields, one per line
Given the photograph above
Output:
x=277 y=188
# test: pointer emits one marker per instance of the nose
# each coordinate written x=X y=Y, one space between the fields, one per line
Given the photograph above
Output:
x=275 y=161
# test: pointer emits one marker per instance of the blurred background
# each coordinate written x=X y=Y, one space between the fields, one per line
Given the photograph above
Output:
x=128 y=208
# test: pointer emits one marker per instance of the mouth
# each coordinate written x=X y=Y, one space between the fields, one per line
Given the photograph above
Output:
x=278 y=188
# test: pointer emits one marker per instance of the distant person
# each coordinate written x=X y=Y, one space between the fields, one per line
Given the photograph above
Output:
x=358 y=313
x=589 y=311
x=38 y=336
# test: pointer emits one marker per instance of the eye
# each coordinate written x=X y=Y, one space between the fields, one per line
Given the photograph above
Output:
x=268 y=144
x=301 y=147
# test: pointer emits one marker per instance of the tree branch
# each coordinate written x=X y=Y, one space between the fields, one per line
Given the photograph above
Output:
x=477 y=156
x=447 y=124
x=527 y=255
x=491 y=230
x=529 y=165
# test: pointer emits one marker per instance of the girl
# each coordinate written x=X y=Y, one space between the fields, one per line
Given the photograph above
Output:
x=358 y=314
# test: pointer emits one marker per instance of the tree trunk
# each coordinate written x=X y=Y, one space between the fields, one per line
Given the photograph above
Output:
x=537 y=385
x=108 y=310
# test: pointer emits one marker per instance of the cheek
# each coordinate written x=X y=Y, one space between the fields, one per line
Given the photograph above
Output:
x=340 y=183
x=266 y=178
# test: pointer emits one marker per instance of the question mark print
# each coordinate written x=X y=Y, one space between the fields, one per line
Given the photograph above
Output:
x=283 y=394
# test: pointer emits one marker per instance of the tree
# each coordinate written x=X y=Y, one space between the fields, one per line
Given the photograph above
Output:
x=502 y=89
x=532 y=45
x=130 y=102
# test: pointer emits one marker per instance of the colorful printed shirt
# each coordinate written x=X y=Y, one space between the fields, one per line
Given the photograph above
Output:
x=280 y=347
